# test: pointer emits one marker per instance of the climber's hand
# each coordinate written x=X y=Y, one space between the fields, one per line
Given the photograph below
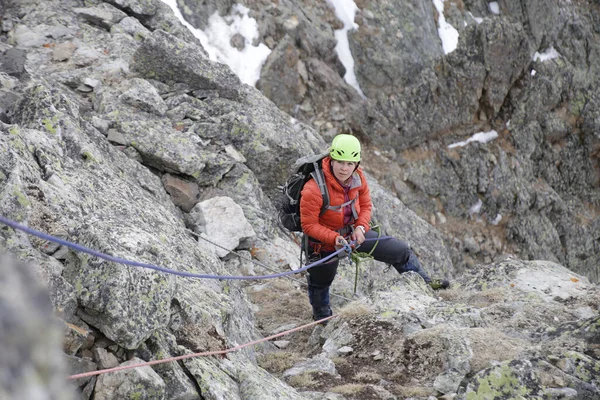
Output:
x=340 y=242
x=358 y=236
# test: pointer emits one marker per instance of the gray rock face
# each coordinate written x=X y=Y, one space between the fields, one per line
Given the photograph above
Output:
x=539 y=16
x=31 y=362
x=197 y=13
x=105 y=15
x=394 y=42
x=422 y=98
x=282 y=78
x=97 y=141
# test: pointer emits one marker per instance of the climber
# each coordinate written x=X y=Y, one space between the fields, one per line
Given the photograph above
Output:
x=346 y=219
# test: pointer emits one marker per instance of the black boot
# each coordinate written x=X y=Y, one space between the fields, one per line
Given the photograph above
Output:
x=319 y=299
x=413 y=265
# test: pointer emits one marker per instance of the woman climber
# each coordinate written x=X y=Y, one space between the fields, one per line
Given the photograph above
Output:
x=347 y=217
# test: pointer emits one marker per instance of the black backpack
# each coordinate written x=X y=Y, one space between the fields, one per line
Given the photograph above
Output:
x=289 y=209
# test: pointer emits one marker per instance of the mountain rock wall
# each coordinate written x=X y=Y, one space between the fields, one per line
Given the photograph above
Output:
x=419 y=100
x=118 y=133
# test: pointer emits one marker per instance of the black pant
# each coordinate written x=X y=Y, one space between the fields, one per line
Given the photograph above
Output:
x=391 y=251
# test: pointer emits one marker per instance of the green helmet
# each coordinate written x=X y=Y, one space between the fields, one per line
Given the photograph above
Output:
x=345 y=148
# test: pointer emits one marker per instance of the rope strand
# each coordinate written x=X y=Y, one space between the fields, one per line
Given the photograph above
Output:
x=203 y=354
x=347 y=249
x=260 y=264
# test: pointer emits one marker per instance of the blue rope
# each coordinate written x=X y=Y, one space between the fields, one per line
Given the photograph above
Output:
x=346 y=249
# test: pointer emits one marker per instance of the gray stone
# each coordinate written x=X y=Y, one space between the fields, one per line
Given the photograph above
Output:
x=104 y=15
x=84 y=88
x=91 y=82
x=143 y=8
x=519 y=370
x=323 y=396
x=179 y=386
x=85 y=56
x=318 y=364
x=101 y=124
x=64 y=51
x=340 y=337
x=198 y=14
x=183 y=193
x=215 y=379
x=140 y=94
x=79 y=365
x=393 y=59
x=281 y=344
x=105 y=359
x=257 y=384
x=140 y=382
x=13 y=62
x=280 y=78
x=284 y=328
x=561 y=393
x=24 y=36
x=165 y=57
x=117 y=137
x=224 y=222
x=133 y=27
x=238 y=41
x=88 y=390
x=470 y=245
x=584 y=312
x=233 y=153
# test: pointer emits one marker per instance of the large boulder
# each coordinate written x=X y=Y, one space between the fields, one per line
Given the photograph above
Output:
x=223 y=223
x=167 y=58
x=139 y=383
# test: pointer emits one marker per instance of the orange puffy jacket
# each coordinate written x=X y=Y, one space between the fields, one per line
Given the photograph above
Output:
x=324 y=227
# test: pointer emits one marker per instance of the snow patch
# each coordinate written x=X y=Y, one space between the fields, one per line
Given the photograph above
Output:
x=477 y=19
x=497 y=220
x=481 y=137
x=448 y=34
x=246 y=63
x=345 y=10
x=475 y=208
x=549 y=54
x=494 y=7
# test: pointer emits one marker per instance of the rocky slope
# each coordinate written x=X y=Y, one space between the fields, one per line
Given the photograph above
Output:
x=118 y=133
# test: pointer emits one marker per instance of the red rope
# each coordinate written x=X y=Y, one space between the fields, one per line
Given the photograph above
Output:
x=206 y=353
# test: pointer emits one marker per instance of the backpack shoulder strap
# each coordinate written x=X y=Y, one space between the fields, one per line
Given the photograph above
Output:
x=319 y=178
